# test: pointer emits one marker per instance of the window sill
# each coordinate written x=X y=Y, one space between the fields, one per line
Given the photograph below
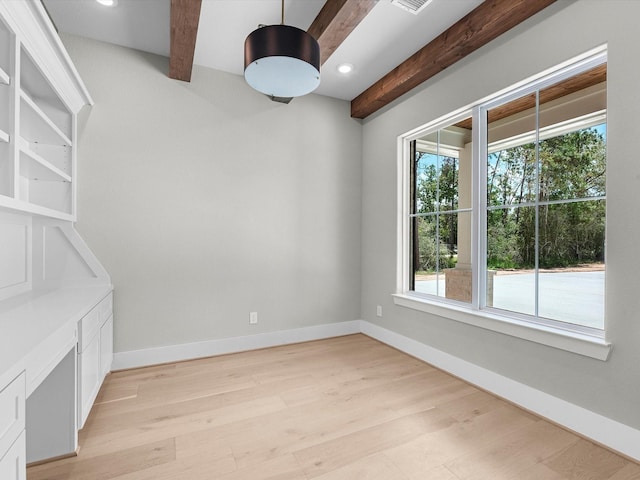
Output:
x=587 y=345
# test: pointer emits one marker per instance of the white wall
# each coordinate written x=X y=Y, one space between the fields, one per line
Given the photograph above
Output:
x=206 y=201
x=562 y=31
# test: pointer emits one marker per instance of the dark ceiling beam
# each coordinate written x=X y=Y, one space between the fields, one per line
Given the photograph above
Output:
x=488 y=21
x=185 y=15
x=336 y=20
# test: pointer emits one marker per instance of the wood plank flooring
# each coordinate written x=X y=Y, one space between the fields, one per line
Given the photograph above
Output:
x=348 y=408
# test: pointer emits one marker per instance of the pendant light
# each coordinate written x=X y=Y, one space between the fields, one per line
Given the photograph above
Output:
x=282 y=61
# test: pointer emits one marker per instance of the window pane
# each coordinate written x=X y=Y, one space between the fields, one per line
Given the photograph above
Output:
x=429 y=257
x=511 y=176
x=441 y=237
x=511 y=259
x=571 y=280
x=456 y=234
x=572 y=134
x=436 y=182
x=512 y=153
x=440 y=269
x=448 y=183
x=573 y=165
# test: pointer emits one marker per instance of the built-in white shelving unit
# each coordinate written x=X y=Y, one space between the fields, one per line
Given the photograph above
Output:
x=56 y=323
x=40 y=94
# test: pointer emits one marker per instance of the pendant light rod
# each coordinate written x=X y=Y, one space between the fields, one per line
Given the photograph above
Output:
x=282 y=16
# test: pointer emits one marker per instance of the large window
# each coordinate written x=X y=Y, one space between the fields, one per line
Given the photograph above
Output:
x=504 y=211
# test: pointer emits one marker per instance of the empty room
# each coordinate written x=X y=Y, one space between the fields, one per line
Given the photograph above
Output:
x=319 y=239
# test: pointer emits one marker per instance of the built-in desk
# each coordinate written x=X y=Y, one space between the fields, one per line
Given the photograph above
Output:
x=55 y=340
x=39 y=362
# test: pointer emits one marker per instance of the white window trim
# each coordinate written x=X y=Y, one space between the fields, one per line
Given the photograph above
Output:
x=583 y=341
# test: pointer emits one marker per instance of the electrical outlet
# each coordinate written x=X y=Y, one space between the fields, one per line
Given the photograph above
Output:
x=253 y=318
x=379 y=310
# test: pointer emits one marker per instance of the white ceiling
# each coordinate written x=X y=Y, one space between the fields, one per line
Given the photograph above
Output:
x=385 y=38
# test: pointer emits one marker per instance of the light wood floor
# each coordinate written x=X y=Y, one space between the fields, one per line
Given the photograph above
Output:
x=347 y=408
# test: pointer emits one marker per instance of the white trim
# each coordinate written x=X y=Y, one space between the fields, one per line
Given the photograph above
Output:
x=190 y=351
x=605 y=431
x=402 y=250
x=580 y=343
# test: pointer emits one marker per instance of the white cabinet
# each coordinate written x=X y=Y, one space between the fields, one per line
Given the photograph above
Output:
x=12 y=464
x=95 y=353
x=89 y=378
x=106 y=346
x=12 y=424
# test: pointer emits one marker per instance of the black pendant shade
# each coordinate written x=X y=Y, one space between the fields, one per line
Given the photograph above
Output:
x=282 y=61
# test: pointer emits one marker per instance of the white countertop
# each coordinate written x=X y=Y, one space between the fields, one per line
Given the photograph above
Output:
x=38 y=327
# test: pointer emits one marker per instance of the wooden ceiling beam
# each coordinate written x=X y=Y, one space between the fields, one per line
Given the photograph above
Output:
x=336 y=20
x=488 y=21
x=185 y=15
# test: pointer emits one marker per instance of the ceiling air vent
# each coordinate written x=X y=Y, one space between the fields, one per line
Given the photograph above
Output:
x=413 y=6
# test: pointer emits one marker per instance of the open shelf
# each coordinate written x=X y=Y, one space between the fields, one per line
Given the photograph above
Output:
x=22 y=206
x=38 y=127
x=34 y=167
x=37 y=90
x=48 y=191
x=59 y=157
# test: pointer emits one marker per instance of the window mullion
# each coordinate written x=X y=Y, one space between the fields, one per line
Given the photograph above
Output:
x=536 y=277
x=479 y=207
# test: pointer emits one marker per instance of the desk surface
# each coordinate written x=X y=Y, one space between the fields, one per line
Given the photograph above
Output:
x=38 y=325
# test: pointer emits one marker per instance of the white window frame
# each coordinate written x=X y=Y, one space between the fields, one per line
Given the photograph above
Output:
x=574 y=338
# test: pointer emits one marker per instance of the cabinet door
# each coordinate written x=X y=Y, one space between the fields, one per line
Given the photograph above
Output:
x=13 y=464
x=12 y=413
x=106 y=347
x=89 y=378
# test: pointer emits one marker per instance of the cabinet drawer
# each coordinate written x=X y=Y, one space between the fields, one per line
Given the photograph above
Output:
x=88 y=327
x=12 y=406
x=106 y=308
x=90 y=324
x=13 y=463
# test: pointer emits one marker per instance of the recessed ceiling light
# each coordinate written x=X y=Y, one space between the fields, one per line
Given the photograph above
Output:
x=345 y=68
x=108 y=3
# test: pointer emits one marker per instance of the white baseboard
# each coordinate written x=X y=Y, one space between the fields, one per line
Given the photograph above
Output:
x=190 y=351
x=600 y=429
